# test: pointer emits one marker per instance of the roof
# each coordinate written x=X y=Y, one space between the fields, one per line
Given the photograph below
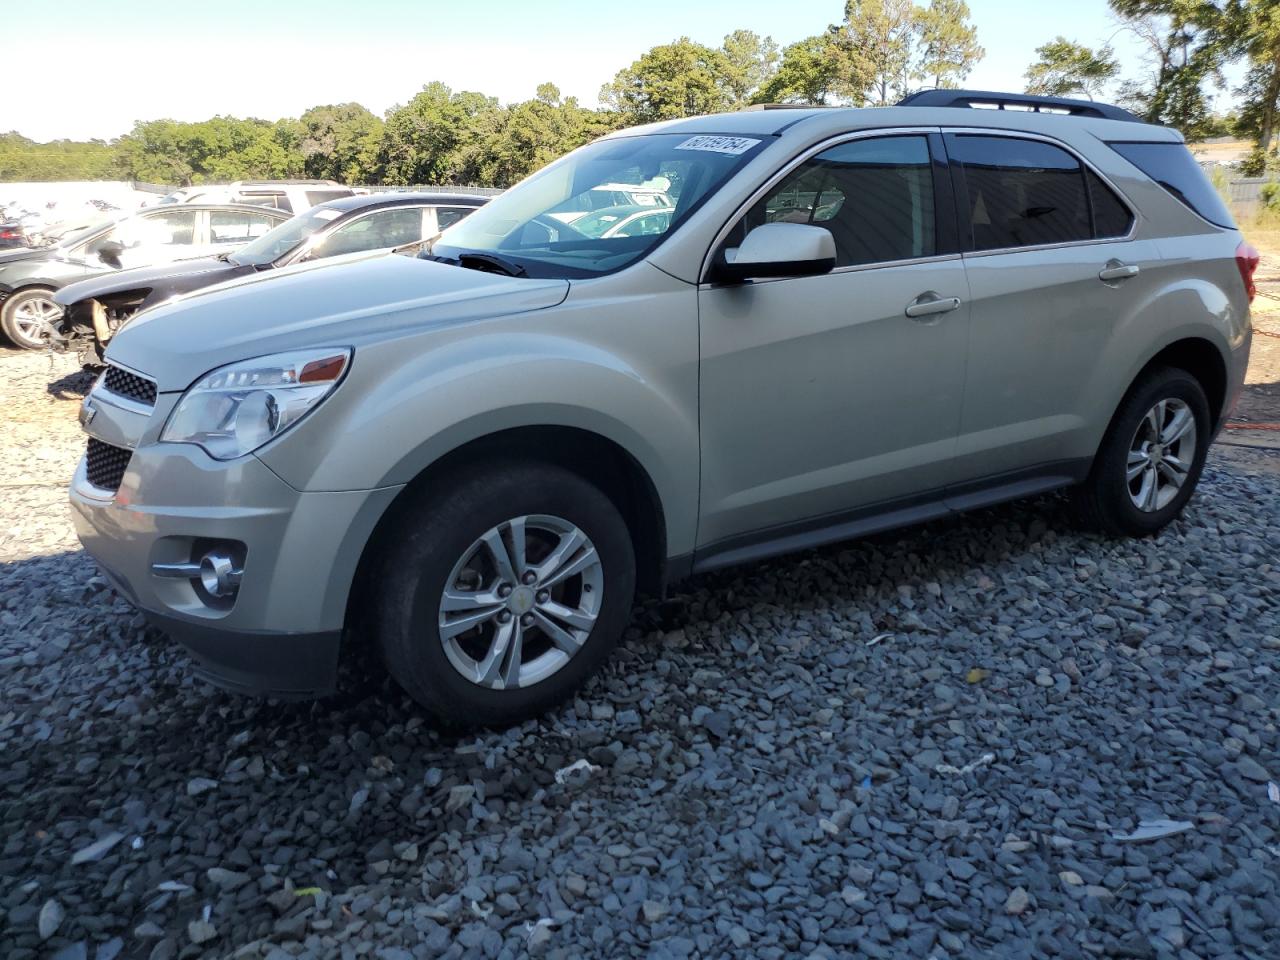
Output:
x=363 y=201
x=817 y=121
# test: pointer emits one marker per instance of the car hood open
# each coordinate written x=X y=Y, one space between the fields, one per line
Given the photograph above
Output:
x=333 y=302
x=207 y=269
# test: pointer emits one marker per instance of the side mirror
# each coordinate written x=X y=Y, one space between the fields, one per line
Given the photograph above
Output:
x=780 y=250
x=109 y=252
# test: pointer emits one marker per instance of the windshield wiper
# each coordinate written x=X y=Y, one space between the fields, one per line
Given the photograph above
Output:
x=484 y=262
x=491 y=261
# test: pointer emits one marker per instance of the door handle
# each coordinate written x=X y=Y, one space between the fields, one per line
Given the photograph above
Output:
x=930 y=304
x=1115 y=270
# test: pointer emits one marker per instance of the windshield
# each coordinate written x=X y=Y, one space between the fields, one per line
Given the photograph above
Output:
x=533 y=226
x=279 y=240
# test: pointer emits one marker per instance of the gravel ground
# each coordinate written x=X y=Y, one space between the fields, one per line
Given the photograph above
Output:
x=920 y=745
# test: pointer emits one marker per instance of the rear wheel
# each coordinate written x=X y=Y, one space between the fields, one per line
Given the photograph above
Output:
x=504 y=592
x=25 y=315
x=1151 y=458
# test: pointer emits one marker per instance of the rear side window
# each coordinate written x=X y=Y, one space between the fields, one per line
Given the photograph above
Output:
x=1021 y=193
x=1111 y=218
x=1172 y=166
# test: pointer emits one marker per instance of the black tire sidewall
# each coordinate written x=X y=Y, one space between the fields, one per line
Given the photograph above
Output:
x=1112 y=491
x=437 y=533
x=10 y=305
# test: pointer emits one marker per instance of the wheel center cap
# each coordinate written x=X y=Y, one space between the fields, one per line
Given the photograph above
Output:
x=521 y=600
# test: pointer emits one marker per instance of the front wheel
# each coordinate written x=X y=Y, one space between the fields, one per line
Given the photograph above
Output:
x=504 y=592
x=1151 y=458
x=25 y=316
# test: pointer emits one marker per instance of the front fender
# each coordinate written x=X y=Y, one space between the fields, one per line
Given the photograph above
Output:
x=622 y=367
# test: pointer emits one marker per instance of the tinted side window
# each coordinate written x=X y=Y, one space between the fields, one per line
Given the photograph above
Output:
x=875 y=196
x=1022 y=193
x=238 y=226
x=384 y=228
x=1172 y=166
x=448 y=216
x=1111 y=218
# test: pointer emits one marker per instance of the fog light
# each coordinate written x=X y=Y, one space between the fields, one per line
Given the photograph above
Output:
x=218 y=575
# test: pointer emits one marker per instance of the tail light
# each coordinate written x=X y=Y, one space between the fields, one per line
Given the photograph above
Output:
x=1247 y=260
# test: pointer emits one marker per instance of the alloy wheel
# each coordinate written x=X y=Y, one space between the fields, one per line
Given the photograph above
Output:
x=1161 y=455
x=31 y=317
x=520 y=602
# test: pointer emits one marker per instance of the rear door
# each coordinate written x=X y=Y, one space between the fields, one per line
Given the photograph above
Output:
x=159 y=236
x=229 y=230
x=1051 y=269
x=825 y=395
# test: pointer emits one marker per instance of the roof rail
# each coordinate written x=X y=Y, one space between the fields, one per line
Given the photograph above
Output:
x=1017 y=101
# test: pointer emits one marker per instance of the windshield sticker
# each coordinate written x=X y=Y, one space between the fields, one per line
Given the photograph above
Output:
x=326 y=214
x=732 y=146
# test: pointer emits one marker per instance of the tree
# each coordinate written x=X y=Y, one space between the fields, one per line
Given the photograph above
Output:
x=949 y=48
x=23 y=159
x=340 y=142
x=819 y=70
x=1065 y=67
x=680 y=79
x=750 y=61
x=1187 y=42
x=1254 y=31
x=438 y=137
x=884 y=34
x=535 y=132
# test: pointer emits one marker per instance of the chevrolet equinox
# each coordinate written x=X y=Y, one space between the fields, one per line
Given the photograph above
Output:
x=847 y=320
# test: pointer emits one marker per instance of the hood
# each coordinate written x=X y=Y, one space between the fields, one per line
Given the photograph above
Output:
x=203 y=271
x=337 y=302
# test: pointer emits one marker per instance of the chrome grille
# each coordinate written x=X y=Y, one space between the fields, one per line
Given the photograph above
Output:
x=105 y=464
x=126 y=384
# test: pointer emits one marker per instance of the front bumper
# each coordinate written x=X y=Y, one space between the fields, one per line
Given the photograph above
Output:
x=280 y=633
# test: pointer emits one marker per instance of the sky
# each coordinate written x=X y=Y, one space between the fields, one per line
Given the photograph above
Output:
x=113 y=62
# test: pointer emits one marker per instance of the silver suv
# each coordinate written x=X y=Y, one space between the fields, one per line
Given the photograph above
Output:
x=854 y=320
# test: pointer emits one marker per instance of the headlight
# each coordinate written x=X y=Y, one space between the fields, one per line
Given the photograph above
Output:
x=236 y=409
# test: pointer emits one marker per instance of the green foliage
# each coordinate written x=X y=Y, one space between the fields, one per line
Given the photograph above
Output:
x=212 y=151
x=884 y=33
x=1270 y=196
x=1065 y=67
x=818 y=70
x=339 y=142
x=750 y=60
x=1188 y=42
x=679 y=79
x=439 y=137
x=948 y=43
x=23 y=159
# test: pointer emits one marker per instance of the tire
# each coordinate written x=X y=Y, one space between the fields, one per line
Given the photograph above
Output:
x=1110 y=500
x=20 y=308
x=419 y=639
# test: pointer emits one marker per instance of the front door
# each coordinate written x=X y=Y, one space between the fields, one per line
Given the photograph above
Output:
x=822 y=396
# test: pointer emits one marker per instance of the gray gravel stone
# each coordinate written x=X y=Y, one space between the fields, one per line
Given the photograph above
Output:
x=771 y=785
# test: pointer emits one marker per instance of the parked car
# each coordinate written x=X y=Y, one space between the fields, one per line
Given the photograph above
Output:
x=291 y=196
x=474 y=458
x=652 y=193
x=13 y=234
x=93 y=310
x=29 y=278
x=624 y=221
